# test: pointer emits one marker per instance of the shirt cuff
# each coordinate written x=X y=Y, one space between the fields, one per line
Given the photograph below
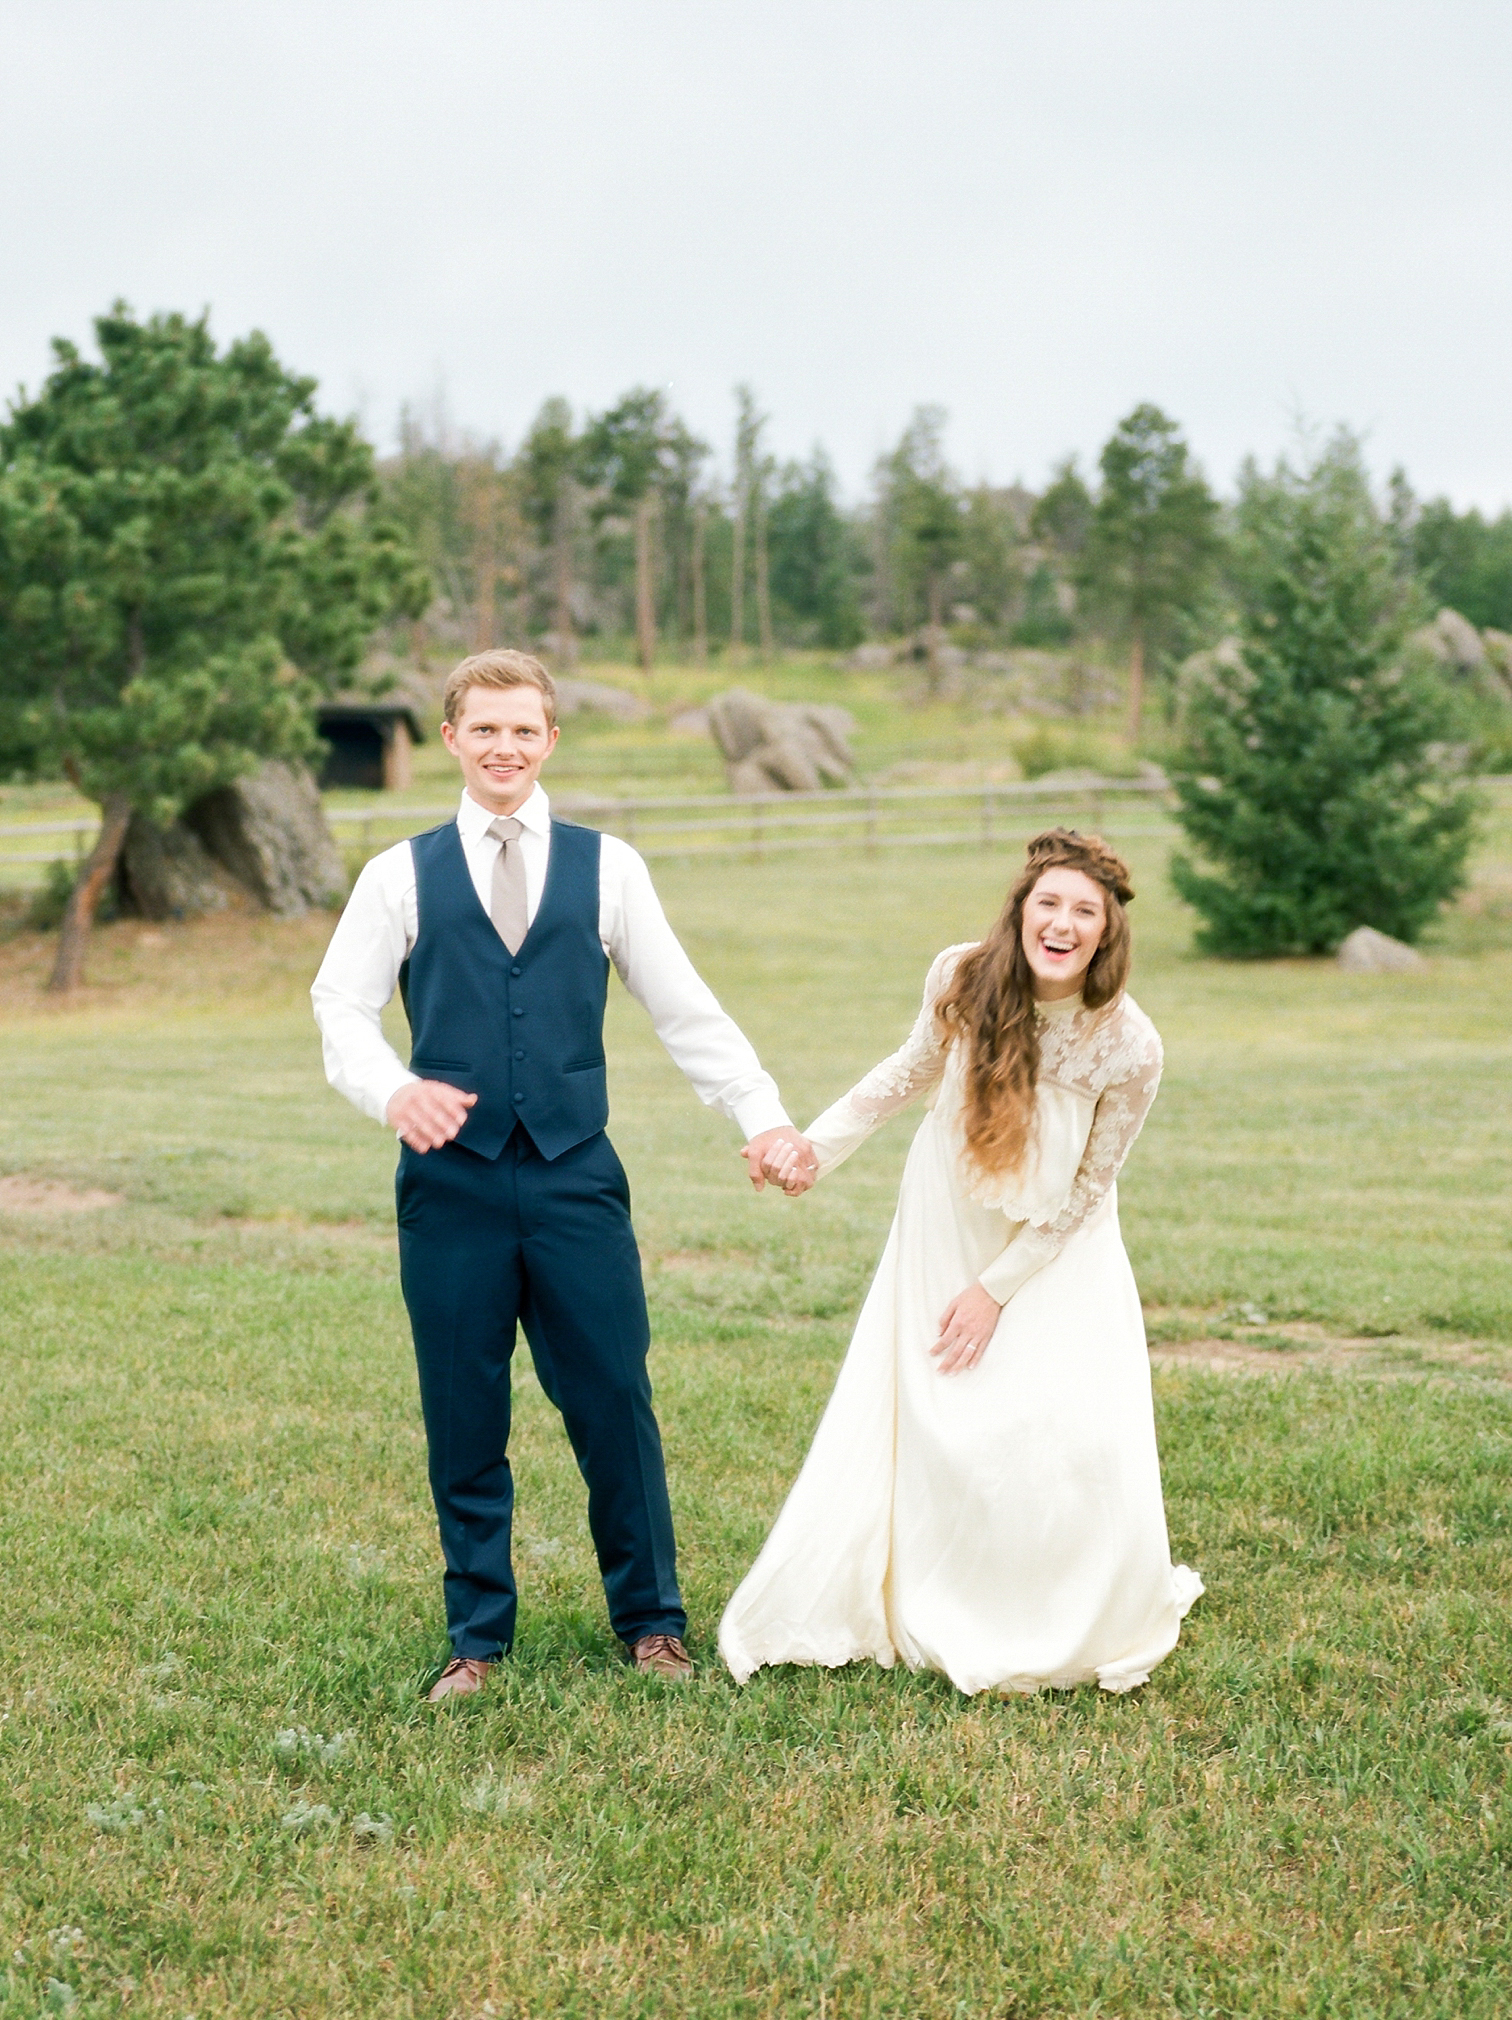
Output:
x=384 y=1086
x=758 y=1111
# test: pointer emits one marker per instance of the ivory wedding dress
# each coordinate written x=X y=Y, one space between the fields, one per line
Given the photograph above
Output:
x=1005 y=1524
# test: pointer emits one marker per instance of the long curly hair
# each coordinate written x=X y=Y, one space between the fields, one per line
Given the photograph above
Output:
x=988 y=1004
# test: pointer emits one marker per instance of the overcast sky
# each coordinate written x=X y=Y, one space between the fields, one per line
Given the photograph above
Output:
x=1034 y=215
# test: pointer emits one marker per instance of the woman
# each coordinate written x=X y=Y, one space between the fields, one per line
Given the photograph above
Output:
x=982 y=1496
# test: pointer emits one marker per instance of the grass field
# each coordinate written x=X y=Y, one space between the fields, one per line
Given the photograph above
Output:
x=219 y=1791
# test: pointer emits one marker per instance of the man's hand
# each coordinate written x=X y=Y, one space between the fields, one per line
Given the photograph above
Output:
x=966 y=1325
x=783 y=1156
x=428 y=1113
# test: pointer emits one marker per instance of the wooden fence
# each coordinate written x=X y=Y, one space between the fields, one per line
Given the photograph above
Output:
x=762 y=824
x=719 y=825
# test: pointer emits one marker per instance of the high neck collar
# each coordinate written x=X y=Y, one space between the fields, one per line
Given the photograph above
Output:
x=1063 y=1006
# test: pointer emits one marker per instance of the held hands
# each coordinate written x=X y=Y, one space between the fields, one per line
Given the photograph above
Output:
x=966 y=1326
x=428 y=1113
x=784 y=1157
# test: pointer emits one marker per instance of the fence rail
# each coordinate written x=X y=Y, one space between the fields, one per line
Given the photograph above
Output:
x=717 y=824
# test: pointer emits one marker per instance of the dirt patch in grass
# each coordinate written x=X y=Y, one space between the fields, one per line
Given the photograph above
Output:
x=20 y=1194
x=1303 y=1346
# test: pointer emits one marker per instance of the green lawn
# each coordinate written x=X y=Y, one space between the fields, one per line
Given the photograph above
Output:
x=221 y=1594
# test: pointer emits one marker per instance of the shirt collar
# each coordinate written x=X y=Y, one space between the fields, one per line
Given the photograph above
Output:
x=535 y=814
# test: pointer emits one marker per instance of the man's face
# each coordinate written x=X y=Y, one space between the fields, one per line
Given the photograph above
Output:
x=501 y=738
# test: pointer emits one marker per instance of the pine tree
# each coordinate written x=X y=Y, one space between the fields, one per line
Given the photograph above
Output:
x=188 y=556
x=1152 y=539
x=1311 y=783
x=627 y=453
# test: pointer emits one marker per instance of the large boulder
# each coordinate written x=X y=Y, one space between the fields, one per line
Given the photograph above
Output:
x=785 y=747
x=597 y=697
x=1454 y=642
x=270 y=832
x=167 y=873
x=1367 y=952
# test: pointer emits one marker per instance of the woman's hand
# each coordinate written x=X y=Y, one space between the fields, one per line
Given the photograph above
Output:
x=966 y=1325
x=784 y=1157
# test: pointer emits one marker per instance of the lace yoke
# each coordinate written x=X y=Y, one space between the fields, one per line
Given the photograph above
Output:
x=1110 y=1058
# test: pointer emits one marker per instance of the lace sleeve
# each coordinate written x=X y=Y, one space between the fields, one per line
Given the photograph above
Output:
x=914 y=1069
x=1121 y=1109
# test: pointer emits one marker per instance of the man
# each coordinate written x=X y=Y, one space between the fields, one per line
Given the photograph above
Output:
x=499 y=928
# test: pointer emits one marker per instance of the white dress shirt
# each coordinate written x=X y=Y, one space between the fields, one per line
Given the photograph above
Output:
x=379 y=927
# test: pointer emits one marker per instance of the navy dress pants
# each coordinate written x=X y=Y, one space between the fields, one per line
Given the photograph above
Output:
x=485 y=1243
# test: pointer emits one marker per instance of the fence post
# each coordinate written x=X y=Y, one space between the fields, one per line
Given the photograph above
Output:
x=758 y=812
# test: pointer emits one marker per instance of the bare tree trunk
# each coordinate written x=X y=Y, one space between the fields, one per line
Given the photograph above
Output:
x=645 y=605
x=562 y=540
x=418 y=642
x=700 y=590
x=485 y=520
x=99 y=868
x=763 y=587
x=1136 y=686
x=932 y=629
x=737 y=585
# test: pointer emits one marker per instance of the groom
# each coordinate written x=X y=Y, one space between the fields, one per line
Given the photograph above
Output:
x=498 y=929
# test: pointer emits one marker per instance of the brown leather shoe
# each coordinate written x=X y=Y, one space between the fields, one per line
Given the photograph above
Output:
x=461 y=1677
x=662 y=1655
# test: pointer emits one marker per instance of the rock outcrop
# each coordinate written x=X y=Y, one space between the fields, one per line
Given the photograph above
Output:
x=270 y=832
x=167 y=873
x=1367 y=952
x=786 y=747
x=597 y=697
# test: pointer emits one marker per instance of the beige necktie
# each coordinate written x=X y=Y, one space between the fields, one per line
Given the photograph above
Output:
x=506 y=898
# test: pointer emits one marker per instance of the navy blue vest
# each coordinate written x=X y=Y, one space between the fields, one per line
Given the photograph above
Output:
x=523 y=1031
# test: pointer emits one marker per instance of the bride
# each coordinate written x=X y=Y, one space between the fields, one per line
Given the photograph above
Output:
x=982 y=1496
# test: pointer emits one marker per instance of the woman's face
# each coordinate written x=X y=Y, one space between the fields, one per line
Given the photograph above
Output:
x=1064 y=918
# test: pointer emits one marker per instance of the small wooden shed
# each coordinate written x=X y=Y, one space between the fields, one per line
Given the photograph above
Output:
x=369 y=743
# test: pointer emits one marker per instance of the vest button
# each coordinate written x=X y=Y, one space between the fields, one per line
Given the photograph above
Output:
x=519 y=1097
x=518 y=1011
x=519 y=1055
x=515 y=970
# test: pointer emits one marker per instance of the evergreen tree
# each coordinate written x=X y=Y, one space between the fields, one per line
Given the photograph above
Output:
x=1466 y=562
x=1059 y=524
x=1062 y=516
x=187 y=559
x=628 y=453
x=815 y=562
x=1152 y=540
x=547 y=466
x=991 y=571
x=926 y=526
x=1310 y=782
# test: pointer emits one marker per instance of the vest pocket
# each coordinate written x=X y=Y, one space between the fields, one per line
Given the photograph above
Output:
x=418 y=1064
x=583 y=1065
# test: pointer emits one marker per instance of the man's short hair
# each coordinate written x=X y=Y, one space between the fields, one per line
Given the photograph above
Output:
x=498 y=668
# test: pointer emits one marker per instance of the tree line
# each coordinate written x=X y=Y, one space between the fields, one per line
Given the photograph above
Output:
x=621 y=527
x=192 y=555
